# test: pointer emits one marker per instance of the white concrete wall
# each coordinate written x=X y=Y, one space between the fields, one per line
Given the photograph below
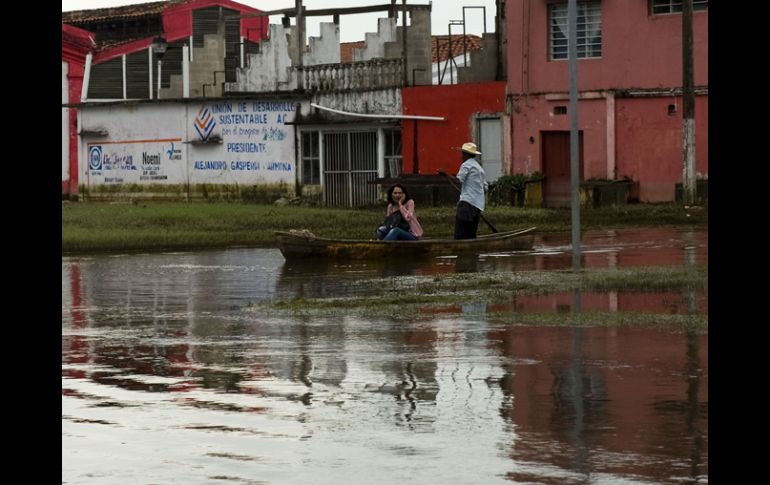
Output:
x=449 y=72
x=326 y=48
x=383 y=101
x=160 y=144
x=375 y=43
x=268 y=70
x=65 y=126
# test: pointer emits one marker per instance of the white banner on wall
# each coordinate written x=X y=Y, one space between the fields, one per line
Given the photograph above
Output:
x=136 y=162
x=226 y=142
x=257 y=146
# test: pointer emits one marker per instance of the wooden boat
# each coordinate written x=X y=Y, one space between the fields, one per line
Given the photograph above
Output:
x=304 y=244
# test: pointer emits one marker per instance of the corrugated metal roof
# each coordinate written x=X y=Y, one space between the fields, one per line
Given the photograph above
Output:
x=76 y=17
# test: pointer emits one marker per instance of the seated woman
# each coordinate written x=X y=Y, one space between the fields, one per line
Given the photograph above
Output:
x=399 y=200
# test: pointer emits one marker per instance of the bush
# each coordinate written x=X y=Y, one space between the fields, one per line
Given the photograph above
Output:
x=510 y=189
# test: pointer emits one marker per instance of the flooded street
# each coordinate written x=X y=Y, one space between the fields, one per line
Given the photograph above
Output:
x=169 y=376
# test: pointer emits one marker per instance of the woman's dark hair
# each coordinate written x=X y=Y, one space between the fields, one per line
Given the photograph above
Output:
x=403 y=189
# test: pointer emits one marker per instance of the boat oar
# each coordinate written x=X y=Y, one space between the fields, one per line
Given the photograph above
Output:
x=481 y=214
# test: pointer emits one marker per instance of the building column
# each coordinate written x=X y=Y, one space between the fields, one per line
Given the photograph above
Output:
x=611 y=166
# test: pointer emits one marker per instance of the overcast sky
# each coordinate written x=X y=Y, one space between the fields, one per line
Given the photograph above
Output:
x=352 y=27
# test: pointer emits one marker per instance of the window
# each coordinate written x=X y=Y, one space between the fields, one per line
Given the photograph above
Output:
x=674 y=6
x=311 y=166
x=589 y=30
x=392 y=153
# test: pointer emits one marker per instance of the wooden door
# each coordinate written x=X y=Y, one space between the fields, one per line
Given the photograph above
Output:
x=556 y=167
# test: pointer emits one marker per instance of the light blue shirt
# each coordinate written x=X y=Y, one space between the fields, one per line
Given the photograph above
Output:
x=474 y=182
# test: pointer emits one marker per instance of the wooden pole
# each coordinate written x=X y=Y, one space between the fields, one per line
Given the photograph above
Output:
x=688 y=107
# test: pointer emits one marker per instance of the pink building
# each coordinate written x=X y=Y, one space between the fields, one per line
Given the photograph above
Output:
x=629 y=83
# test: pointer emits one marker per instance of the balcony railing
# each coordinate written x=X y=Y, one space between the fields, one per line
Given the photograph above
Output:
x=375 y=74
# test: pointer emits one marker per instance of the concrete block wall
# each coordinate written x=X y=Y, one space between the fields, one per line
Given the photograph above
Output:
x=482 y=62
x=418 y=48
x=176 y=88
x=206 y=60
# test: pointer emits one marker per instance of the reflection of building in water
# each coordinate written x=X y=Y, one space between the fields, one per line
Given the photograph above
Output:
x=304 y=351
x=156 y=312
x=607 y=400
x=624 y=248
x=669 y=302
x=75 y=347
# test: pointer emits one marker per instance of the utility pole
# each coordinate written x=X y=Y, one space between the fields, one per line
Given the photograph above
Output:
x=403 y=41
x=688 y=107
x=300 y=43
x=574 y=140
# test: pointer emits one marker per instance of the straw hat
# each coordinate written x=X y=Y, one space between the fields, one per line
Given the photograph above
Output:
x=470 y=148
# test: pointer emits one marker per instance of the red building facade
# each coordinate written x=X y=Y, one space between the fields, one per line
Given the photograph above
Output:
x=76 y=44
x=629 y=83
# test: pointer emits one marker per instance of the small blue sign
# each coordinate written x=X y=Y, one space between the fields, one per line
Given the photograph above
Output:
x=95 y=157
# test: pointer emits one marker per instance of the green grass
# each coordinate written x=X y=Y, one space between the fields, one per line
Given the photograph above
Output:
x=407 y=297
x=92 y=226
x=448 y=288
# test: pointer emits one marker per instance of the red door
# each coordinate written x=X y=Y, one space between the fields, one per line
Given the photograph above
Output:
x=556 y=186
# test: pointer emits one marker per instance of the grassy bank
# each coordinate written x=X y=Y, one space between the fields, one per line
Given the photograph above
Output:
x=90 y=227
x=409 y=296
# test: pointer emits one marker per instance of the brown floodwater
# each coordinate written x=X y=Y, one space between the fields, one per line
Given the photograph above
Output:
x=169 y=376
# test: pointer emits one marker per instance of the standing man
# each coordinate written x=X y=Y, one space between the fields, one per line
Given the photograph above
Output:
x=474 y=185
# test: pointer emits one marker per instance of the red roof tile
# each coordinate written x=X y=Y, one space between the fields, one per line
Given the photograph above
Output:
x=116 y=13
x=439 y=47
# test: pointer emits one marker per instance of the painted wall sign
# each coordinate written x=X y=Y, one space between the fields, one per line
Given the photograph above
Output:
x=135 y=162
x=257 y=145
x=226 y=142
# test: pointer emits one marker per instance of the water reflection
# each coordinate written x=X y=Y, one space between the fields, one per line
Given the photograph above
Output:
x=166 y=376
x=598 y=401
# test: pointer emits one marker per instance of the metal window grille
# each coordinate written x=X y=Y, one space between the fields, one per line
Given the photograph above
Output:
x=232 y=45
x=138 y=75
x=675 y=6
x=589 y=30
x=172 y=63
x=107 y=79
x=392 y=153
x=310 y=159
x=205 y=21
x=350 y=168
x=213 y=20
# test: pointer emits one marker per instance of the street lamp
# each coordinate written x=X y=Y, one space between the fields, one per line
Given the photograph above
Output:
x=159 y=47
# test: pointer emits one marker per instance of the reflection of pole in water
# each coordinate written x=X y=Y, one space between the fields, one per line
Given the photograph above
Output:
x=692 y=418
x=576 y=369
x=612 y=262
x=690 y=259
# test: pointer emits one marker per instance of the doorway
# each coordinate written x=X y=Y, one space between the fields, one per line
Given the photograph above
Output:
x=491 y=147
x=556 y=167
x=350 y=168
